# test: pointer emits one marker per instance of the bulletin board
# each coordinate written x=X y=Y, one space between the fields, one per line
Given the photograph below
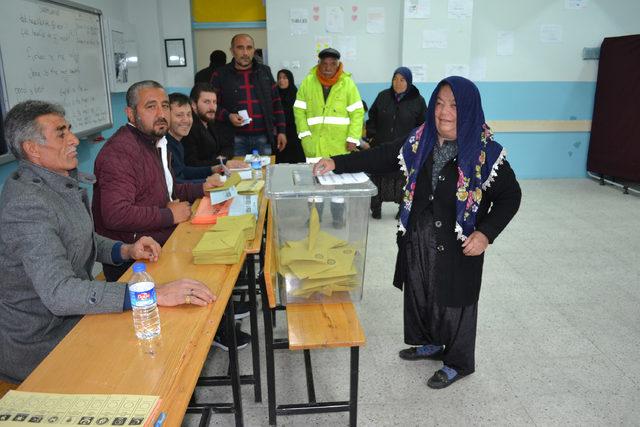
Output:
x=367 y=34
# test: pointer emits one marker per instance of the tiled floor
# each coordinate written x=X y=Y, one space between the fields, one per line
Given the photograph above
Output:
x=558 y=329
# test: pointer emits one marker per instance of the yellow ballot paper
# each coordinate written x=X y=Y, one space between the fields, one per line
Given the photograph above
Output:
x=19 y=408
x=231 y=181
x=321 y=263
x=246 y=223
x=250 y=186
x=222 y=247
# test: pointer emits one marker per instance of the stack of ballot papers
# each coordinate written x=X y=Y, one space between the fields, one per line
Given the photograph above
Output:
x=245 y=223
x=250 y=186
x=219 y=247
x=320 y=263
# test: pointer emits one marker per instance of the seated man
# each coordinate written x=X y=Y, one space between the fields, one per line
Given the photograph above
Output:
x=134 y=194
x=180 y=124
x=48 y=247
x=203 y=146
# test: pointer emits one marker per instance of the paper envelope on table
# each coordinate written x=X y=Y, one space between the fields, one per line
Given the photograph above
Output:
x=223 y=247
x=250 y=186
x=208 y=213
x=231 y=181
x=246 y=223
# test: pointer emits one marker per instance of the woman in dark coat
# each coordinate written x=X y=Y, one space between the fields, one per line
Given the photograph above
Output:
x=455 y=172
x=394 y=113
x=292 y=153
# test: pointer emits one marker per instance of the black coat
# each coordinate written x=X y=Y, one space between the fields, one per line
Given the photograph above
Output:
x=203 y=144
x=458 y=277
x=390 y=119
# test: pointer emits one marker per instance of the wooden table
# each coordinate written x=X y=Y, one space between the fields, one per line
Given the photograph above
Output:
x=102 y=355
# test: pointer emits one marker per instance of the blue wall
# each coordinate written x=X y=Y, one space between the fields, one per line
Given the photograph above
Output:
x=533 y=155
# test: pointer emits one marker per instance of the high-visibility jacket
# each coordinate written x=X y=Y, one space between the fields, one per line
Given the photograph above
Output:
x=325 y=127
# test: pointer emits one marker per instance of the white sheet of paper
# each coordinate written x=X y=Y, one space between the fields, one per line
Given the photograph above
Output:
x=457 y=70
x=434 y=39
x=323 y=42
x=505 y=43
x=478 y=68
x=343 y=178
x=245 y=117
x=375 y=20
x=460 y=9
x=346 y=45
x=419 y=72
x=245 y=174
x=334 y=19
x=222 y=196
x=550 y=33
x=298 y=20
x=417 y=9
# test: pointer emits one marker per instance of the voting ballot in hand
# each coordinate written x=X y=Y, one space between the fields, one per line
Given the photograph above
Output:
x=321 y=263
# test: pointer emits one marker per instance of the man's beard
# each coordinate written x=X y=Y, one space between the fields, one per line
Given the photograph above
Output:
x=152 y=131
x=203 y=117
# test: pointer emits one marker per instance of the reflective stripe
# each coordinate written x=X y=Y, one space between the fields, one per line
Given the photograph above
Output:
x=300 y=104
x=337 y=120
x=351 y=108
x=303 y=134
x=354 y=140
x=314 y=120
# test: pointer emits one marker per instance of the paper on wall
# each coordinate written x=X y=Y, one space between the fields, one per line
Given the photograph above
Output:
x=505 y=43
x=334 y=19
x=299 y=20
x=419 y=73
x=457 y=70
x=460 y=9
x=323 y=42
x=434 y=39
x=550 y=33
x=347 y=47
x=375 y=20
x=575 y=4
x=417 y=9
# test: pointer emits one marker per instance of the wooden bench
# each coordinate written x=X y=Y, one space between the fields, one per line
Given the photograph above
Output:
x=310 y=326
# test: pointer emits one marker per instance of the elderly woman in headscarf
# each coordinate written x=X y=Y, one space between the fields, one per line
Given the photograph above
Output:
x=395 y=112
x=292 y=153
x=460 y=193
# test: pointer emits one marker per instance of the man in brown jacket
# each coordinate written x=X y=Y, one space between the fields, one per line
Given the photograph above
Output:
x=135 y=194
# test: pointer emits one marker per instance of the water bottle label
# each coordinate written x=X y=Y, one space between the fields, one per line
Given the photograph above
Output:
x=142 y=294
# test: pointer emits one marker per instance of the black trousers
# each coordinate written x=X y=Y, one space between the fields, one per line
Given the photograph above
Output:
x=426 y=322
x=113 y=272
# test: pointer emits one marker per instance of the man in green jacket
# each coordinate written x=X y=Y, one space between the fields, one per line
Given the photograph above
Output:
x=328 y=109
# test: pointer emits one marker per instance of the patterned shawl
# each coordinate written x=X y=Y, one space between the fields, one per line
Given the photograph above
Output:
x=479 y=156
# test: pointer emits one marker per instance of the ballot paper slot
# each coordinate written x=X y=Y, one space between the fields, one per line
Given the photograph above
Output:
x=303 y=177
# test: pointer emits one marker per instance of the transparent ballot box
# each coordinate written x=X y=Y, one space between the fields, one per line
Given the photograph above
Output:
x=319 y=235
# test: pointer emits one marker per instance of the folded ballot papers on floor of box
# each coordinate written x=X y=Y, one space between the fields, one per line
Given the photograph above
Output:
x=320 y=232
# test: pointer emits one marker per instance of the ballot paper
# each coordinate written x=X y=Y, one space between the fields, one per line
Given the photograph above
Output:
x=244 y=115
x=246 y=223
x=342 y=178
x=250 y=187
x=219 y=247
x=19 y=408
x=244 y=204
x=223 y=196
x=319 y=264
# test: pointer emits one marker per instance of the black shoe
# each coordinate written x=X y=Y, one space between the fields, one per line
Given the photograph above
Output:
x=398 y=215
x=376 y=214
x=240 y=310
x=242 y=340
x=441 y=380
x=414 y=353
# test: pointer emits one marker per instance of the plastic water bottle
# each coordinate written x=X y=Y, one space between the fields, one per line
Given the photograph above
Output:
x=256 y=165
x=144 y=303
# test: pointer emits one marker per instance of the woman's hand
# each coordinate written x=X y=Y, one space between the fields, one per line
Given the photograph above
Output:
x=145 y=248
x=184 y=291
x=475 y=244
x=323 y=166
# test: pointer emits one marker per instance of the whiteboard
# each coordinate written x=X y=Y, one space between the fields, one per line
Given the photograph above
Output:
x=54 y=50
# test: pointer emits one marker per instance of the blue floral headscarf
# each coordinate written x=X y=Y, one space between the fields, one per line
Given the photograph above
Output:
x=479 y=156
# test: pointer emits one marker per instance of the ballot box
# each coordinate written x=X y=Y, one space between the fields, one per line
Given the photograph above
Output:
x=319 y=233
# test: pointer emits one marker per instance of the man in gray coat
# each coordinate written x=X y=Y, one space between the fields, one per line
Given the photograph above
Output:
x=48 y=246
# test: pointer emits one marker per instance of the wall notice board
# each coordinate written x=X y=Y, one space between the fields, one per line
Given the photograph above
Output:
x=54 y=50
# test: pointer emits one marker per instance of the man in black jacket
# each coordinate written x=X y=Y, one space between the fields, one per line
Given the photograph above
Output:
x=250 y=107
x=203 y=145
